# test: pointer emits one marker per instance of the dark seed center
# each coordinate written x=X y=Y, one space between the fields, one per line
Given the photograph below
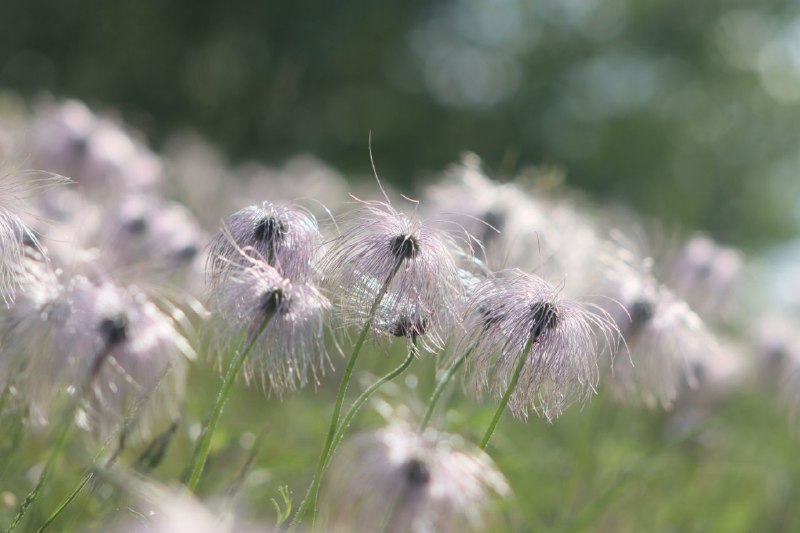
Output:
x=188 y=252
x=545 y=316
x=137 y=226
x=275 y=301
x=269 y=230
x=641 y=312
x=404 y=246
x=114 y=330
x=410 y=327
x=416 y=473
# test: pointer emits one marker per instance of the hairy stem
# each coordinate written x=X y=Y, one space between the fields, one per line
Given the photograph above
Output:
x=523 y=356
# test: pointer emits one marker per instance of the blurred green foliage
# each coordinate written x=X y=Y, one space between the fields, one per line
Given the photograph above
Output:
x=687 y=111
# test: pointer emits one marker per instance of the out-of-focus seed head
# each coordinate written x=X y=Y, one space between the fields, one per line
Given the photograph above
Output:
x=707 y=275
x=143 y=238
x=90 y=327
x=376 y=243
x=518 y=226
x=284 y=235
x=291 y=347
x=664 y=337
x=399 y=480
x=99 y=153
x=511 y=309
x=159 y=509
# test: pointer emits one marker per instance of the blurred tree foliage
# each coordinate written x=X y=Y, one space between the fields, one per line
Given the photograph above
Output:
x=685 y=110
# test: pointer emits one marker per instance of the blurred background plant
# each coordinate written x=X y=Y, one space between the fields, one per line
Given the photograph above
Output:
x=688 y=112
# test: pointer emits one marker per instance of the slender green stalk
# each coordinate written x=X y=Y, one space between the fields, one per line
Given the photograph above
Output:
x=55 y=452
x=61 y=439
x=523 y=356
x=440 y=386
x=204 y=442
x=310 y=498
x=125 y=428
x=367 y=394
x=66 y=502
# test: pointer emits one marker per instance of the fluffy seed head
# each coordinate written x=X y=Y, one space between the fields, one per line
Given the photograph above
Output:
x=398 y=480
x=77 y=326
x=291 y=346
x=285 y=235
x=377 y=242
x=16 y=190
x=706 y=275
x=510 y=309
x=666 y=339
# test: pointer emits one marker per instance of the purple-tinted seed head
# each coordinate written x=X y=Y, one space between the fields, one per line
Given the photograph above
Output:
x=291 y=347
x=284 y=235
x=399 y=480
x=376 y=243
x=664 y=337
x=513 y=311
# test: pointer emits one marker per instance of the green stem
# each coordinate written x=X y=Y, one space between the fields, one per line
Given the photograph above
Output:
x=204 y=442
x=66 y=502
x=523 y=356
x=61 y=438
x=310 y=498
x=55 y=451
x=437 y=393
x=367 y=394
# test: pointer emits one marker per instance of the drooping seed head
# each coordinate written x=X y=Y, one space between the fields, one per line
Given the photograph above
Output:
x=291 y=347
x=398 y=480
x=284 y=235
x=518 y=226
x=377 y=243
x=115 y=337
x=510 y=312
x=707 y=276
x=664 y=337
x=98 y=152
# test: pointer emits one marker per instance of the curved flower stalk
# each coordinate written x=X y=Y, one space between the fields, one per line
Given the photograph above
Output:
x=665 y=338
x=400 y=480
x=532 y=348
x=381 y=252
x=282 y=320
x=286 y=236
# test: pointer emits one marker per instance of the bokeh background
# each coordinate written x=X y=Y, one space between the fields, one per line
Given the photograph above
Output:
x=687 y=112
